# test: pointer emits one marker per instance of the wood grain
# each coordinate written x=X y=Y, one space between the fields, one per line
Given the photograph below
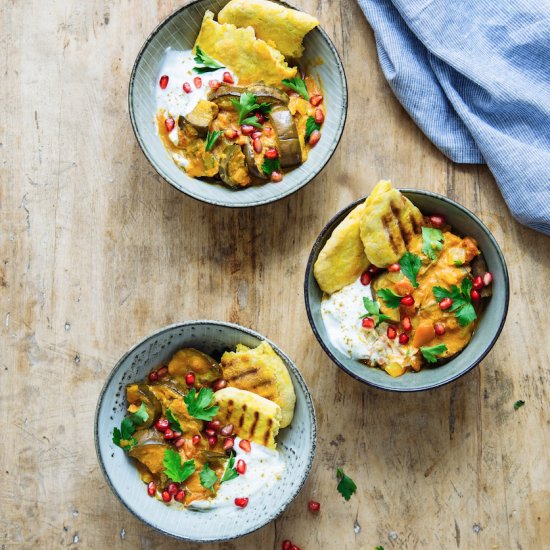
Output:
x=96 y=251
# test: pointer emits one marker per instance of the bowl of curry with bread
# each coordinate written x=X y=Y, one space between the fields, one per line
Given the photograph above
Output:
x=406 y=290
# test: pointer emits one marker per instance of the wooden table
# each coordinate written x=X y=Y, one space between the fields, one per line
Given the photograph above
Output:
x=96 y=251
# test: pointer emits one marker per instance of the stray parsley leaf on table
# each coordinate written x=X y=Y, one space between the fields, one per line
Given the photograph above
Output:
x=390 y=297
x=271 y=165
x=199 y=405
x=311 y=126
x=230 y=472
x=346 y=486
x=432 y=242
x=211 y=139
x=298 y=85
x=247 y=104
x=410 y=266
x=208 y=477
x=373 y=310
x=206 y=63
x=379 y=548
x=174 y=422
x=518 y=404
x=431 y=353
x=173 y=467
x=462 y=303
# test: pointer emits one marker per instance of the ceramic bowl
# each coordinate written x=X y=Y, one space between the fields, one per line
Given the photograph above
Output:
x=491 y=319
x=179 y=31
x=296 y=442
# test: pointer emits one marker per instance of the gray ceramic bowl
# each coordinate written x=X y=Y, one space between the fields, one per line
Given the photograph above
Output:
x=490 y=323
x=296 y=442
x=179 y=31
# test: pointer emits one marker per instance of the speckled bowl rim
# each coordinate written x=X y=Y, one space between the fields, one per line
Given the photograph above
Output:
x=288 y=362
x=298 y=186
x=313 y=256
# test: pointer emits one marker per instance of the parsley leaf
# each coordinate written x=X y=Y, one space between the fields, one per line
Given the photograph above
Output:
x=462 y=303
x=123 y=437
x=431 y=353
x=373 y=310
x=392 y=300
x=211 y=139
x=248 y=104
x=518 y=404
x=432 y=242
x=298 y=85
x=379 y=548
x=174 y=422
x=346 y=486
x=410 y=266
x=127 y=428
x=174 y=469
x=140 y=416
x=208 y=63
x=311 y=126
x=271 y=165
x=126 y=444
x=208 y=477
x=230 y=472
x=200 y=405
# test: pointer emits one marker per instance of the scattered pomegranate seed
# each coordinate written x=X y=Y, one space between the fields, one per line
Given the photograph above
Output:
x=319 y=116
x=365 y=278
x=228 y=78
x=437 y=220
x=373 y=270
x=214 y=425
x=229 y=443
x=487 y=278
x=276 y=177
x=162 y=424
x=177 y=434
x=190 y=378
x=197 y=81
x=180 y=496
x=212 y=440
x=257 y=134
x=214 y=84
x=316 y=100
x=314 y=506
x=407 y=300
x=406 y=324
x=196 y=439
x=169 y=123
x=403 y=338
x=151 y=488
x=166 y=496
x=186 y=87
x=477 y=283
x=314 y=137
x=210 y=432
x=163 y=371
x=261 y=118
x=168 y=434
x=241 y=502
x=475 y=295
x=219 y=384
x=294 y=547
x=271 y=153
x=231 y=134
x=163 y=82
x=391 y=332
x=394 y=268
x=227 y=430
x=172 y=488
x=241 y=466
x=287 y=545
x=367 y=322
x=446 y=303
x=153 y=376
x=246 y=129
x=257 y=144
x=180 y=442
x=244 y=444
x=439 y=329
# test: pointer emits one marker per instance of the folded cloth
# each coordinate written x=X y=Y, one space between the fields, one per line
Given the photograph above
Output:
x=475 y=76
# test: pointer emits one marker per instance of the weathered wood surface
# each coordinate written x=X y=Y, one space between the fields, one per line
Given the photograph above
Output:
x=96 y=251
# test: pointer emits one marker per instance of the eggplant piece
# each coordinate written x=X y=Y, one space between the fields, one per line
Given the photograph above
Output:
x=253 y=168
x=290 y=150
x=150 y=436
x=233 y=170
x=141 y=393
x=151 y=456
x=479 y=268
x=188 y=360
x=202 y=116
x=264 y=94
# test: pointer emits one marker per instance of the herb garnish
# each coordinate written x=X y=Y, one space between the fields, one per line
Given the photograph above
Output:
x=432 y=242
x=200 y=405
x=271 y=165
x=174 y=469
x=208 y=477
x=462 y=303
x=247 y=104
x=518 y=404
x=128 y=427
x=231 y=471
x=174 y=422
x=373 y=310
x=211 y=139
x=208 y=64
x=410 y=266
x=311 y=126
x=391 y=299
x=346 y=486
x=298 y=85
x=431 y=353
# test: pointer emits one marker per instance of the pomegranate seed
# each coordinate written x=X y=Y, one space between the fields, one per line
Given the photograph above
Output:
x=190 y=378
x=151 y=488
x=219 y=384
x=437 y=220
x=241 y=466
x=209 y=432
x=162 y=424
x=294 y=547
x=439 y=329
x=257 y=144
x=287 y=545
x=367 y=322
x=319 y=116
x=487 y=278
x=244 y=444
x=180 y=496
x=475 y=295
x=168 y=434
x=391 y=332
x=180 y=442
x=257 y=134
x=246 y=129
x=365 y=278
x=172 y=488
x=163 y=82
x=314 y=506
x=163 y=371
x=403 y=338
x=271 y=153
x=197 y=81
x=407 y=300
x=177 y=434
x=241 y=502
x=186 y=87
x=227 y=430
x=446 y=303
x=406 y=324
x=394 y=268
x=373 y=270
x=316 y=100
x=166 y=496
x=314 y=137
x=229 y=443
x=214 y=84
x=214 y=425
x=196 y=440
x=212 y=440
x=261 y=118
x=169 y=123
x=153 y=376
x=231 y=134
x=228 y=78
x=276 y=177
x=477 y=283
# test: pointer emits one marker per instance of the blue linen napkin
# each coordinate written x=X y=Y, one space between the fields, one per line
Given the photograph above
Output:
x=475 y=76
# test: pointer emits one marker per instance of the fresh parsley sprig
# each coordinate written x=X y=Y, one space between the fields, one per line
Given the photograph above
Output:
x=373 y=310
x=462 y=303
x=174 y=469
x=206 y=64
x=519 y=403
x=311 y=126
x=391 y=299
x=432 y=242
x=231 y=471
x=128 y=427
x=200 y=405
x=248 y=103
x=298 y=85
x=346 y=486
x=271 y=165
x=208 y=477
x=431 y=353
x=410 y=266
x=211 y=139
x=174 y=422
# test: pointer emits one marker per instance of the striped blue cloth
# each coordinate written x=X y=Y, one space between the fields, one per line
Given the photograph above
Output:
x=475 y=76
